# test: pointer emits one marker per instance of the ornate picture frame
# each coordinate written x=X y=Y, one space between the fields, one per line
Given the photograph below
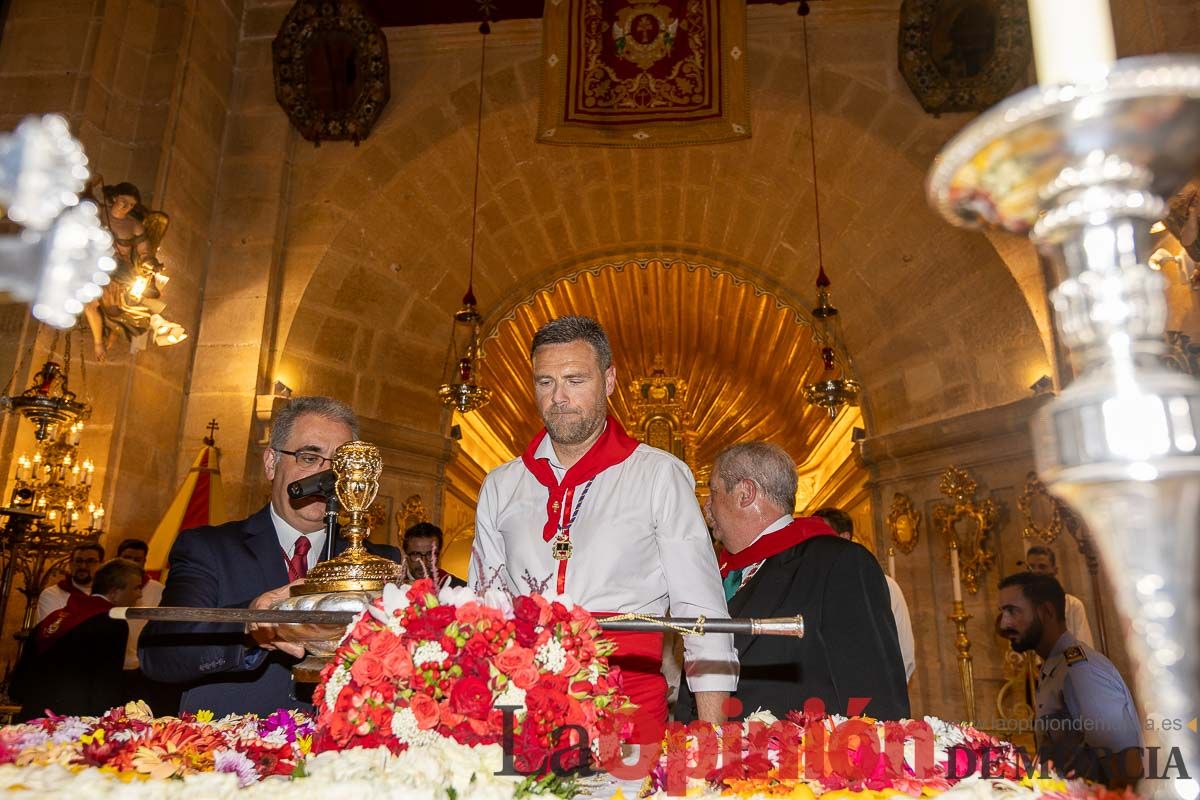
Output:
x=980 y=518
x=904 y=523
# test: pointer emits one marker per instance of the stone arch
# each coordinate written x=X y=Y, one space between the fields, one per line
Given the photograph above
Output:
x=378 y=237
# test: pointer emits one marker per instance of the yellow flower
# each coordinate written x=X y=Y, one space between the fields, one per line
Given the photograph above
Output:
x=204 y=715
x=801 y=791
x=96 y=736
x=305 y=744
x=153 y=763
x=139 y=711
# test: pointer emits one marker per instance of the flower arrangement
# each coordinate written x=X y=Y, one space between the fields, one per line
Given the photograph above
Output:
x=804 y=756
x=422 y=665
x=130 y=743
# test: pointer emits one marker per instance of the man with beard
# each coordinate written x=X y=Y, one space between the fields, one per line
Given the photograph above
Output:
x=84 y=562
x=588 y=511
x=1086 y=722
x=251 y=563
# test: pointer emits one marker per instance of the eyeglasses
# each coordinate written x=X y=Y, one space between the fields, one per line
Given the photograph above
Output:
x=305 y=458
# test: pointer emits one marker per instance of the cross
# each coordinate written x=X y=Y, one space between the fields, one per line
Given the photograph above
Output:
x=213 y=427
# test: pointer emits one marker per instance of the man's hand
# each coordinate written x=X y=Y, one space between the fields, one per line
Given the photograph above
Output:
x=266 y=635
x=710 y=706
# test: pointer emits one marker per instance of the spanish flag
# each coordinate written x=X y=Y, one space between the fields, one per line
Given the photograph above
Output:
x=199 y=501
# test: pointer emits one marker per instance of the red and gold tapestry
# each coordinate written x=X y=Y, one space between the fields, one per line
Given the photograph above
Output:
x=644 y=73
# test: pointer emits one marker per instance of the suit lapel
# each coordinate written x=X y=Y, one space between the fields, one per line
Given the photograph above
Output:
x=759 y=596
x=262 y=541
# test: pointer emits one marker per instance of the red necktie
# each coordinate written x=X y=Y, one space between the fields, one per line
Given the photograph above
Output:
x=297 y=565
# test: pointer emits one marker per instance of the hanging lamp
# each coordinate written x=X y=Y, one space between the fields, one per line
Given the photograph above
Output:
x=834 y=390
x=461 y=389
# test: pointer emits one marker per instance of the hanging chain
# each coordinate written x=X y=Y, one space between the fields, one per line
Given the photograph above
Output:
x=478 y=144
x=812 y=142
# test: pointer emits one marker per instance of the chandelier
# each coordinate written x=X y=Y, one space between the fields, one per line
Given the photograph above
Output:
x=833 y=391
x=56 y=482
x=460 y=389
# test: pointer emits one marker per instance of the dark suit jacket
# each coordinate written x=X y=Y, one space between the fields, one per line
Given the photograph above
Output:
x=849 y=650
x=80 y=674
x=225 y=566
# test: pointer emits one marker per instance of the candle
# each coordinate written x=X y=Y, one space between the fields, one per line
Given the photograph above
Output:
x=91 y=468
x=76 y=430
x=1072 y=40
x=892 y=562
x=954 y=573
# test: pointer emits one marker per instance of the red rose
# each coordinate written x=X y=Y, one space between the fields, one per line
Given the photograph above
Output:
x=367 y=669
x=417 y=592
x=525 y=677
x=554 y=683
x=432 y=624
x=512 y=659
x=468 y=613
x=478 y=647
x=473 y=667
x=471 y=697
x=526 y=633
x=546 y=701
x=398 y=663
x=526 y=609
x=425 y=709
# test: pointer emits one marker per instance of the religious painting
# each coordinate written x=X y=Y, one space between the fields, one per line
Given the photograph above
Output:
x=643 y=73
x=963 y=55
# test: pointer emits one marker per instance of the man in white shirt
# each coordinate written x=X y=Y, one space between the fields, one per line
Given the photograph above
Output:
x=1041 y=560
x=589 y=512
x=84 y=562
x=251 y=563
x=841 y=522
x=136 y=550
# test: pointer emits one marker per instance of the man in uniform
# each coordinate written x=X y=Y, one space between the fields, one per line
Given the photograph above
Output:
x=1086 y=722
x=1041 y=559
x=589 y=512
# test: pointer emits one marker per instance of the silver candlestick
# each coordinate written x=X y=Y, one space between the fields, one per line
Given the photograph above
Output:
x=1084 y=170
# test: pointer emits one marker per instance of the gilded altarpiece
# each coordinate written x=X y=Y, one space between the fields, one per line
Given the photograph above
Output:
x=658 y=400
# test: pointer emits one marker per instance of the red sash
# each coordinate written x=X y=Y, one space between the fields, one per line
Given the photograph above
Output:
x=80 y=608
x=613 y=447
x=801 y=529
x=639 y=657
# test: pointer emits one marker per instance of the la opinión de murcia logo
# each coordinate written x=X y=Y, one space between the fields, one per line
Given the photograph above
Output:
x=837 y=751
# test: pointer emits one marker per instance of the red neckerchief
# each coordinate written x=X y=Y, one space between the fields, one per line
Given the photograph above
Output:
x=801 y=529
x=80 y=608
x=613 y=447
x=68 y=586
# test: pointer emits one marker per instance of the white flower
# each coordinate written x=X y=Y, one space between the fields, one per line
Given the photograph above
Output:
x=456 y=596
x=333 y=687
x=394 y=599
x=499 y=600
x=760 y=715
x=512 y=695
x=429 y=652
x=551 y=656
x=563 y=598
x=405 y=728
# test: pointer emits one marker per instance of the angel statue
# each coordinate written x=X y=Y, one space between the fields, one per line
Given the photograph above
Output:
x=130 y=303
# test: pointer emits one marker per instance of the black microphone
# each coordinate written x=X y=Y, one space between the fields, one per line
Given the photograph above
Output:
x=321 y=483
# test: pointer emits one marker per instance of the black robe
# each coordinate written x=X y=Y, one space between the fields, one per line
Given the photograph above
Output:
x=849 y=650
x=80 y=674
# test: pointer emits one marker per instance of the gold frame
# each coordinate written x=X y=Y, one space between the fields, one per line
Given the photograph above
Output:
x=975 y=556
x=903 y=516
x=1061 y=519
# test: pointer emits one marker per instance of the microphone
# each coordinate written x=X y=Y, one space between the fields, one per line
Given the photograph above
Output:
x=321 y=483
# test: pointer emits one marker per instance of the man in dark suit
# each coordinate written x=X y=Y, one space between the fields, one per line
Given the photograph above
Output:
x=776 y=566
x=251 y=563
x=73 y=664
x=422 y=555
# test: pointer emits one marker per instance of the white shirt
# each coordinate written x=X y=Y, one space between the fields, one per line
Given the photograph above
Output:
x=288 y=536
x=53 y=598
x=903 y=627
x=639 y=545
x=151 y=597
x=1077 y=620
x=751 y=569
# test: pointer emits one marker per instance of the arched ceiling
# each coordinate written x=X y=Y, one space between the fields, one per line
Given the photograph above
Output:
x=744 y=354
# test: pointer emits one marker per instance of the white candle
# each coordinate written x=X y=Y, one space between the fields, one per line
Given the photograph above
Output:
x=1072 y=40
x=892 y=562
x=954 y=575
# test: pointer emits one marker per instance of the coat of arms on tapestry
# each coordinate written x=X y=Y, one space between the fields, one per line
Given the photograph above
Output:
x=644 y=73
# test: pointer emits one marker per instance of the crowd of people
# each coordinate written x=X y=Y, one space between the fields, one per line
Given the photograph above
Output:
x=590 y=512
